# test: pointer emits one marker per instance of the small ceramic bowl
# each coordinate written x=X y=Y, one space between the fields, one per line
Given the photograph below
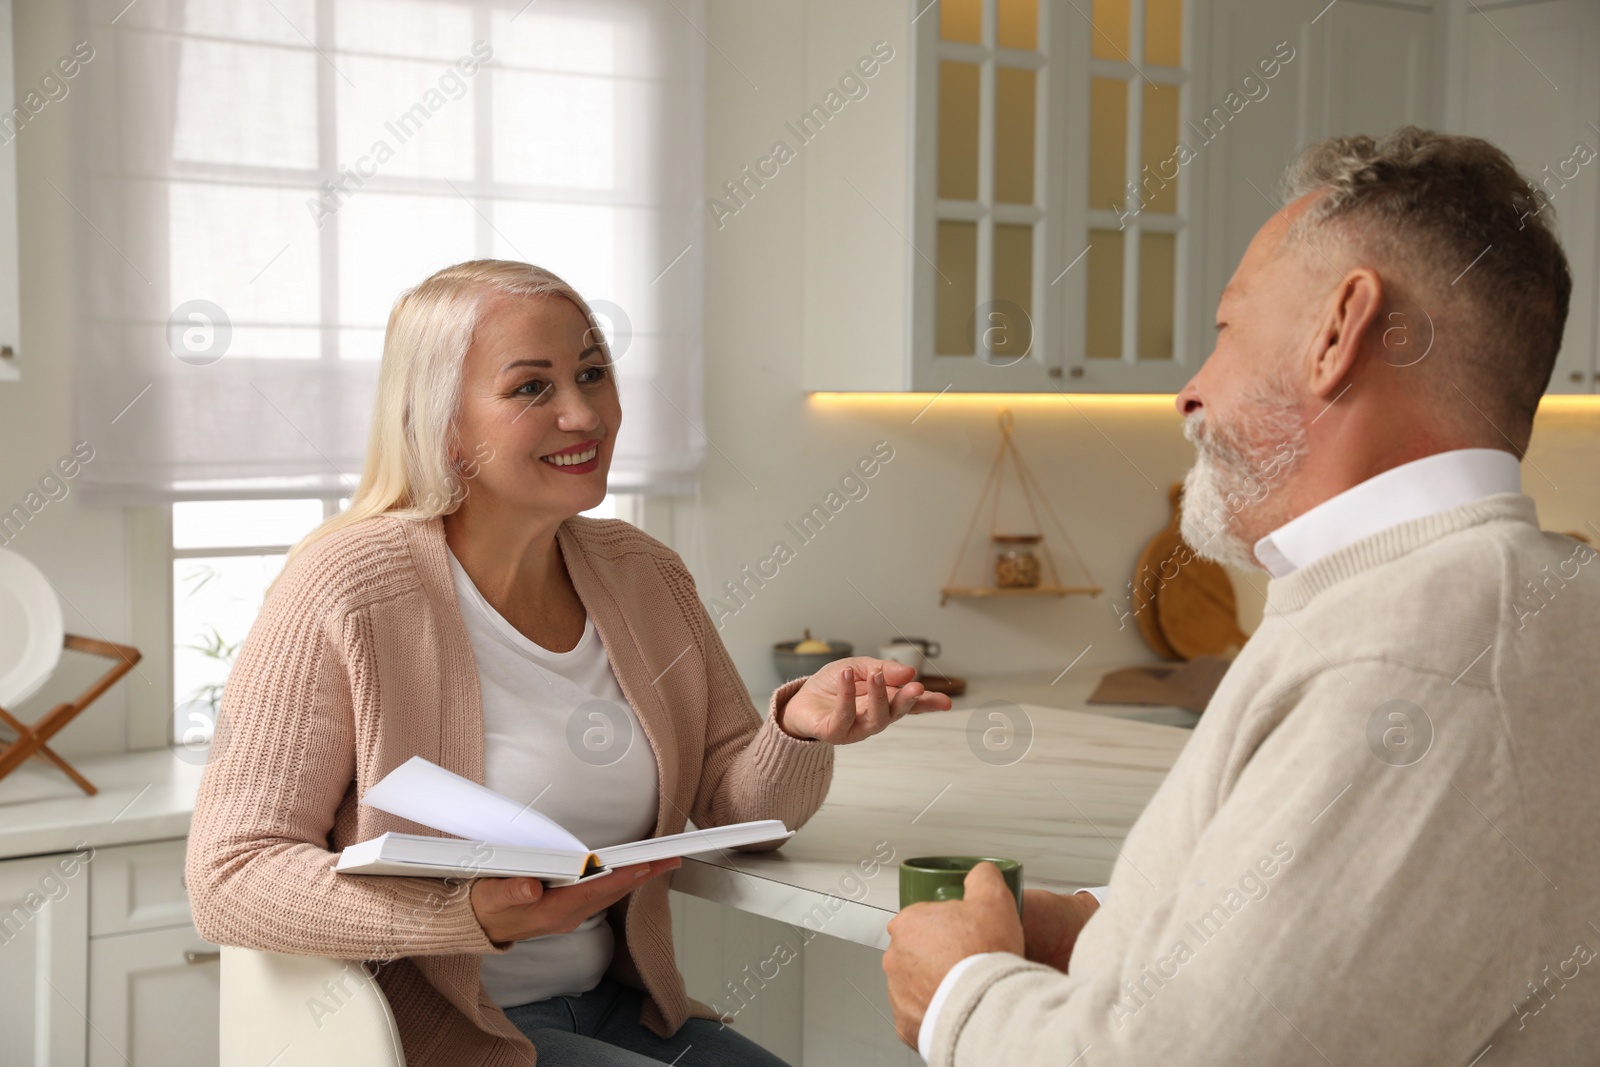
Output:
x=791 y=664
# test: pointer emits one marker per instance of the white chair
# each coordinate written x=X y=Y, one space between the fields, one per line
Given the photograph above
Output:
x=303 y=1011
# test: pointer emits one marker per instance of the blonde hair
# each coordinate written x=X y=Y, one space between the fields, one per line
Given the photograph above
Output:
x=408 y=470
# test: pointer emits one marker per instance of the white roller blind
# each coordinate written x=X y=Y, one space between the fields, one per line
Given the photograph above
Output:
x=283 y=169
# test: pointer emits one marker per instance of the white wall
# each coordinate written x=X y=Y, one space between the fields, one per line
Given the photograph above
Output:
x=1104 y=465
x=896 y=545
x=81 y=550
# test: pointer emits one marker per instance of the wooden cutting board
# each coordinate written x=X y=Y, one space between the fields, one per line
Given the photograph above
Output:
x=1188 y=685
x=1184 y=605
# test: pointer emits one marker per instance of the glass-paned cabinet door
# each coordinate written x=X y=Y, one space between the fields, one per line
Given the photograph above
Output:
x=1051 y=198
x=984 y=305
x=1136 y=232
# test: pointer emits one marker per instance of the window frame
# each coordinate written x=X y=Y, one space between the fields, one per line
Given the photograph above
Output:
x=153 y=709
x=330 y=507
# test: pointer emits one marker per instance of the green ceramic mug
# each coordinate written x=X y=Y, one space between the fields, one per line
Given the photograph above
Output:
x=943 y=877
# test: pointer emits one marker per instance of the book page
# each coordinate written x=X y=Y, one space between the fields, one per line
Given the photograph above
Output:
x=425 y=792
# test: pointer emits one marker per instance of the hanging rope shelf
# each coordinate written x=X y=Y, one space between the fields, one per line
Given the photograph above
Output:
x=1017 y=571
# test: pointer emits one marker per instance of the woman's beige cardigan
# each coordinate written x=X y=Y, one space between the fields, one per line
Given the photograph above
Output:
x=358 y=661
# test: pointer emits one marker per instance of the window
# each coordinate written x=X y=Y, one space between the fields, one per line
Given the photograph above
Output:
x=224 y=556
x=1050 y=200
x=265 y=179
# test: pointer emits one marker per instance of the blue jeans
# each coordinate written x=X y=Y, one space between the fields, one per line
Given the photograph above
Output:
x=601 y=1028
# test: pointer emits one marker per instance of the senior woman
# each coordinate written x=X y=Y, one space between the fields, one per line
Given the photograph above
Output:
x=463 y=610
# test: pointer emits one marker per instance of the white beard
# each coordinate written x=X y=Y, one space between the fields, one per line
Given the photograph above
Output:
x=1233 y=476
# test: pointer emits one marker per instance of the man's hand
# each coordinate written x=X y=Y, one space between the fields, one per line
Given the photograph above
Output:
x=1051 y=923
x=926 y=940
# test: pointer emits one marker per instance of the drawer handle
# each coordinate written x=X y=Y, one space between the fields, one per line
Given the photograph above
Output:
x=191 y=957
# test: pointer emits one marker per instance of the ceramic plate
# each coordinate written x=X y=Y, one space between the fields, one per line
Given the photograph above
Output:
x=30 y=629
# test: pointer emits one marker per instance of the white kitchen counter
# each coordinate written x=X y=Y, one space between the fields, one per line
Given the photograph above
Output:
x=919 y=788
x=143 y=796
x=1053 y=689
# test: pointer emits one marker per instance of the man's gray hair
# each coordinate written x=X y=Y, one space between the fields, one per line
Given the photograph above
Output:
x=1473 y=239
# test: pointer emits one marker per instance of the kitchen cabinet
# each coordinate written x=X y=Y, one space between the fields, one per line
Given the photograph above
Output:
x=1526 y=78
x=148 y=966
x=1355 y=68
x=44 y=932
x=103 y=966
x=1119 y=296
x=153 y=998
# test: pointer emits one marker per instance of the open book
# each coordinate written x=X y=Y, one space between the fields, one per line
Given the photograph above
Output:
x=497 y=837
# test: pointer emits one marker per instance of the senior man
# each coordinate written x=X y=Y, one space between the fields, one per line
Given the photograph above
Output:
x=1378 y=846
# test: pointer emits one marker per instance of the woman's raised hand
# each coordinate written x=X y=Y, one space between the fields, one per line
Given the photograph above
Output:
x=849 y=700
x=515 y=909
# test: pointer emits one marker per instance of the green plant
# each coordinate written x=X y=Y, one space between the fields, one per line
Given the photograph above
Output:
x=213 y=646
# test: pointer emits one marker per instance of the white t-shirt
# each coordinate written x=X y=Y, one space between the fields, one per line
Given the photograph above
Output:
x=556 y=727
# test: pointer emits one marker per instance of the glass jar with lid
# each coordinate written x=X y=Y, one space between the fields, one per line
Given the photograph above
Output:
x=1015 y=565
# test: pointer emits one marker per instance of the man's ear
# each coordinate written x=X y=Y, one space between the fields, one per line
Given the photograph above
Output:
x=1350 y=322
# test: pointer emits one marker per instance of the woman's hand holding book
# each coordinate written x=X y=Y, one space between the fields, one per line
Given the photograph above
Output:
x=515 y=909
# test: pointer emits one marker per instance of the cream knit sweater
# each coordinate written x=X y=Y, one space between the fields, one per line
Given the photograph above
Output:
x=358 y=661
x=1379 y=845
